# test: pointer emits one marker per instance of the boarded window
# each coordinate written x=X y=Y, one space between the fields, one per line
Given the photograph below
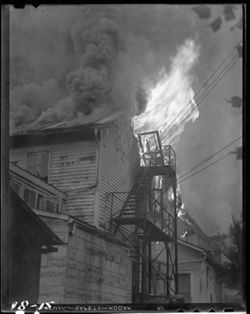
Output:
x=184 y=285
x=37 y=164
x=30 y=198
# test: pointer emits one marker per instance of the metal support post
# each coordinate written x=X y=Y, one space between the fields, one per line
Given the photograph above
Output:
x=149 y=267
x=168 y=271
x=175 y=238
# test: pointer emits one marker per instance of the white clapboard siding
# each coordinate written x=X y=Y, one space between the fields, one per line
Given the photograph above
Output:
x=194 y=269
x=115 y=170
x=202 y=286
x=72 y=169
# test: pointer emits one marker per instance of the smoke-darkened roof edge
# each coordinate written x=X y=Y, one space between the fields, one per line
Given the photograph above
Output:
x=70 y=126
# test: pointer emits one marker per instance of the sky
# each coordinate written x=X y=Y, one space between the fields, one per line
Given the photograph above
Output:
x=149 y=60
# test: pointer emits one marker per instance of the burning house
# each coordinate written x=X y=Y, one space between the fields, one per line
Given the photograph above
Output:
x=65 y=175
x=86 y=183
x=110 y=197
x=112 y=203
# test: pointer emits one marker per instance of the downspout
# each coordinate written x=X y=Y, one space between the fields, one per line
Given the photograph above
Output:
x=175 y=238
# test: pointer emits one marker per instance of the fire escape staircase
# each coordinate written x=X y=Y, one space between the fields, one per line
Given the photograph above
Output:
x=129 y=213
x=157 y=160
x=137 y=209
x=134 y=211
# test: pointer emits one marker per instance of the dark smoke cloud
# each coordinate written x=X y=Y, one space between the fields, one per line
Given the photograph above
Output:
x=29 y=101
x=101 y=59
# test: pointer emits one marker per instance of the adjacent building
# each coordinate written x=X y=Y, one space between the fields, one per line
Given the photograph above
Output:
x=30 y=239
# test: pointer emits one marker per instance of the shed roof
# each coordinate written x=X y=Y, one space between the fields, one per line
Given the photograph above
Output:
x=23 y=215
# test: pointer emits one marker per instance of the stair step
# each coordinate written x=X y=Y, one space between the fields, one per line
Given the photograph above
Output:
x=128 y=214
x=137 y=195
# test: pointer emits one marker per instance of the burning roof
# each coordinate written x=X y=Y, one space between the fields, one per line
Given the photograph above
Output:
x=79 y=123
x=90 y=64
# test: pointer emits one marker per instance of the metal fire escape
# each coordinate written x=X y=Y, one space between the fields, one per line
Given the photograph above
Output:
x=141 y=217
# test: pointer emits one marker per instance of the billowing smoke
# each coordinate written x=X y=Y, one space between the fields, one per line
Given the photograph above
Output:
x=88 y=60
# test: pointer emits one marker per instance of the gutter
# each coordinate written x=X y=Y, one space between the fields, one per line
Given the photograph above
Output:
x=73 y=222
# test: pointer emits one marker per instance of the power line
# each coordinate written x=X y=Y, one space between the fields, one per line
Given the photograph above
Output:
x=206 y=82
x=206 y=92
x=210 y=157
x=202 y=96
x=209 y=165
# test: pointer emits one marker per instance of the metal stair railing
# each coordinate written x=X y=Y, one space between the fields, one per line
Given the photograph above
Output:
x=170 y=217
x=136 y=187
x=117 y=200
x=133 y=192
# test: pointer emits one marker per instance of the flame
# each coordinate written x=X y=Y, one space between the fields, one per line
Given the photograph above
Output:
x=171 y=98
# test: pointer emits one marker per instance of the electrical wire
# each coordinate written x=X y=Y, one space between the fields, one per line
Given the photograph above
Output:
x=204 y=96
x=209 y=165
x=205 y=92
x=206 y=82
x=208 y=158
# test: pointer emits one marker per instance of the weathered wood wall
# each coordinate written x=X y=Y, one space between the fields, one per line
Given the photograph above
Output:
x=89 y=268
x=119 y=160
x=71 y=169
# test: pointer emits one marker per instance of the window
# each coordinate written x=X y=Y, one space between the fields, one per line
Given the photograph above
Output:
x=30 y=198
x=41 y=202
x=49 y=206
x=44 y=204
x=37 y=164
x=184 y=285
x=15 y=187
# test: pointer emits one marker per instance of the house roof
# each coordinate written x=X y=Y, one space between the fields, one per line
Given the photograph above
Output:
x=78 y=129
x=24 y=215
x=195 y=226
x=192 y=246
x=20 y=172
x=86 y=122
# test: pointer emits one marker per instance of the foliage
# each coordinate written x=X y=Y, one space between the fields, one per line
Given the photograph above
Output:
x=216 y=24
x=203 y=11
x=237 y=152
x=235 y=101
x=228 y=15
x=231 y=270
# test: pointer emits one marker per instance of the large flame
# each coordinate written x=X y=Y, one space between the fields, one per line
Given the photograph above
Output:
x=171 y=101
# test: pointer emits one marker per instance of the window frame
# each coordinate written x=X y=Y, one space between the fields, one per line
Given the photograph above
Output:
x=30 y=191
x=191 y=283
x=33 y=152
